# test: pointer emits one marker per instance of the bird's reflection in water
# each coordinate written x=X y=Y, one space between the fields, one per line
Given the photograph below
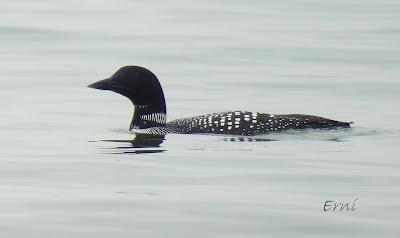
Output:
x=249 y=139
x=141 y=144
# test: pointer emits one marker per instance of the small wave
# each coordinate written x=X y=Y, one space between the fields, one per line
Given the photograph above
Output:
x=338 y=135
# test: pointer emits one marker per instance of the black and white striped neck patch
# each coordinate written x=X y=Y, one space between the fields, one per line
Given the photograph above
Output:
x=155 y=117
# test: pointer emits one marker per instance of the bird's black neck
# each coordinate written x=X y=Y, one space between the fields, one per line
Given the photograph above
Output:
x=146 y=116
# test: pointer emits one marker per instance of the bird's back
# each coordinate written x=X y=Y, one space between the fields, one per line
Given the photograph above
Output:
x=248 y=123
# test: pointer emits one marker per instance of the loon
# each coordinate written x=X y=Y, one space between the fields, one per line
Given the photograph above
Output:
x=144 y=90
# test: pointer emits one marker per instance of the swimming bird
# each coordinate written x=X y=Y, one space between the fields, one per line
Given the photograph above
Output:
x=142 y=87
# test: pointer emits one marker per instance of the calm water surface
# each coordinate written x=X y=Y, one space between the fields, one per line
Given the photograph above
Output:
x=67 y=166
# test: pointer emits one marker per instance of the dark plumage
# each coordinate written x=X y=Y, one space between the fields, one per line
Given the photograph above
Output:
x=144 y=90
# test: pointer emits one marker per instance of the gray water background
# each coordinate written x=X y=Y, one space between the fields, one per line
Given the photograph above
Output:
x=337 y=59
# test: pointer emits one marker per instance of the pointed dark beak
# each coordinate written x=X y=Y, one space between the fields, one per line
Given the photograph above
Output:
x=105 y=84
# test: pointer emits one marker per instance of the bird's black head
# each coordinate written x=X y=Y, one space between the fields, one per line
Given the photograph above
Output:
x=138 y=84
